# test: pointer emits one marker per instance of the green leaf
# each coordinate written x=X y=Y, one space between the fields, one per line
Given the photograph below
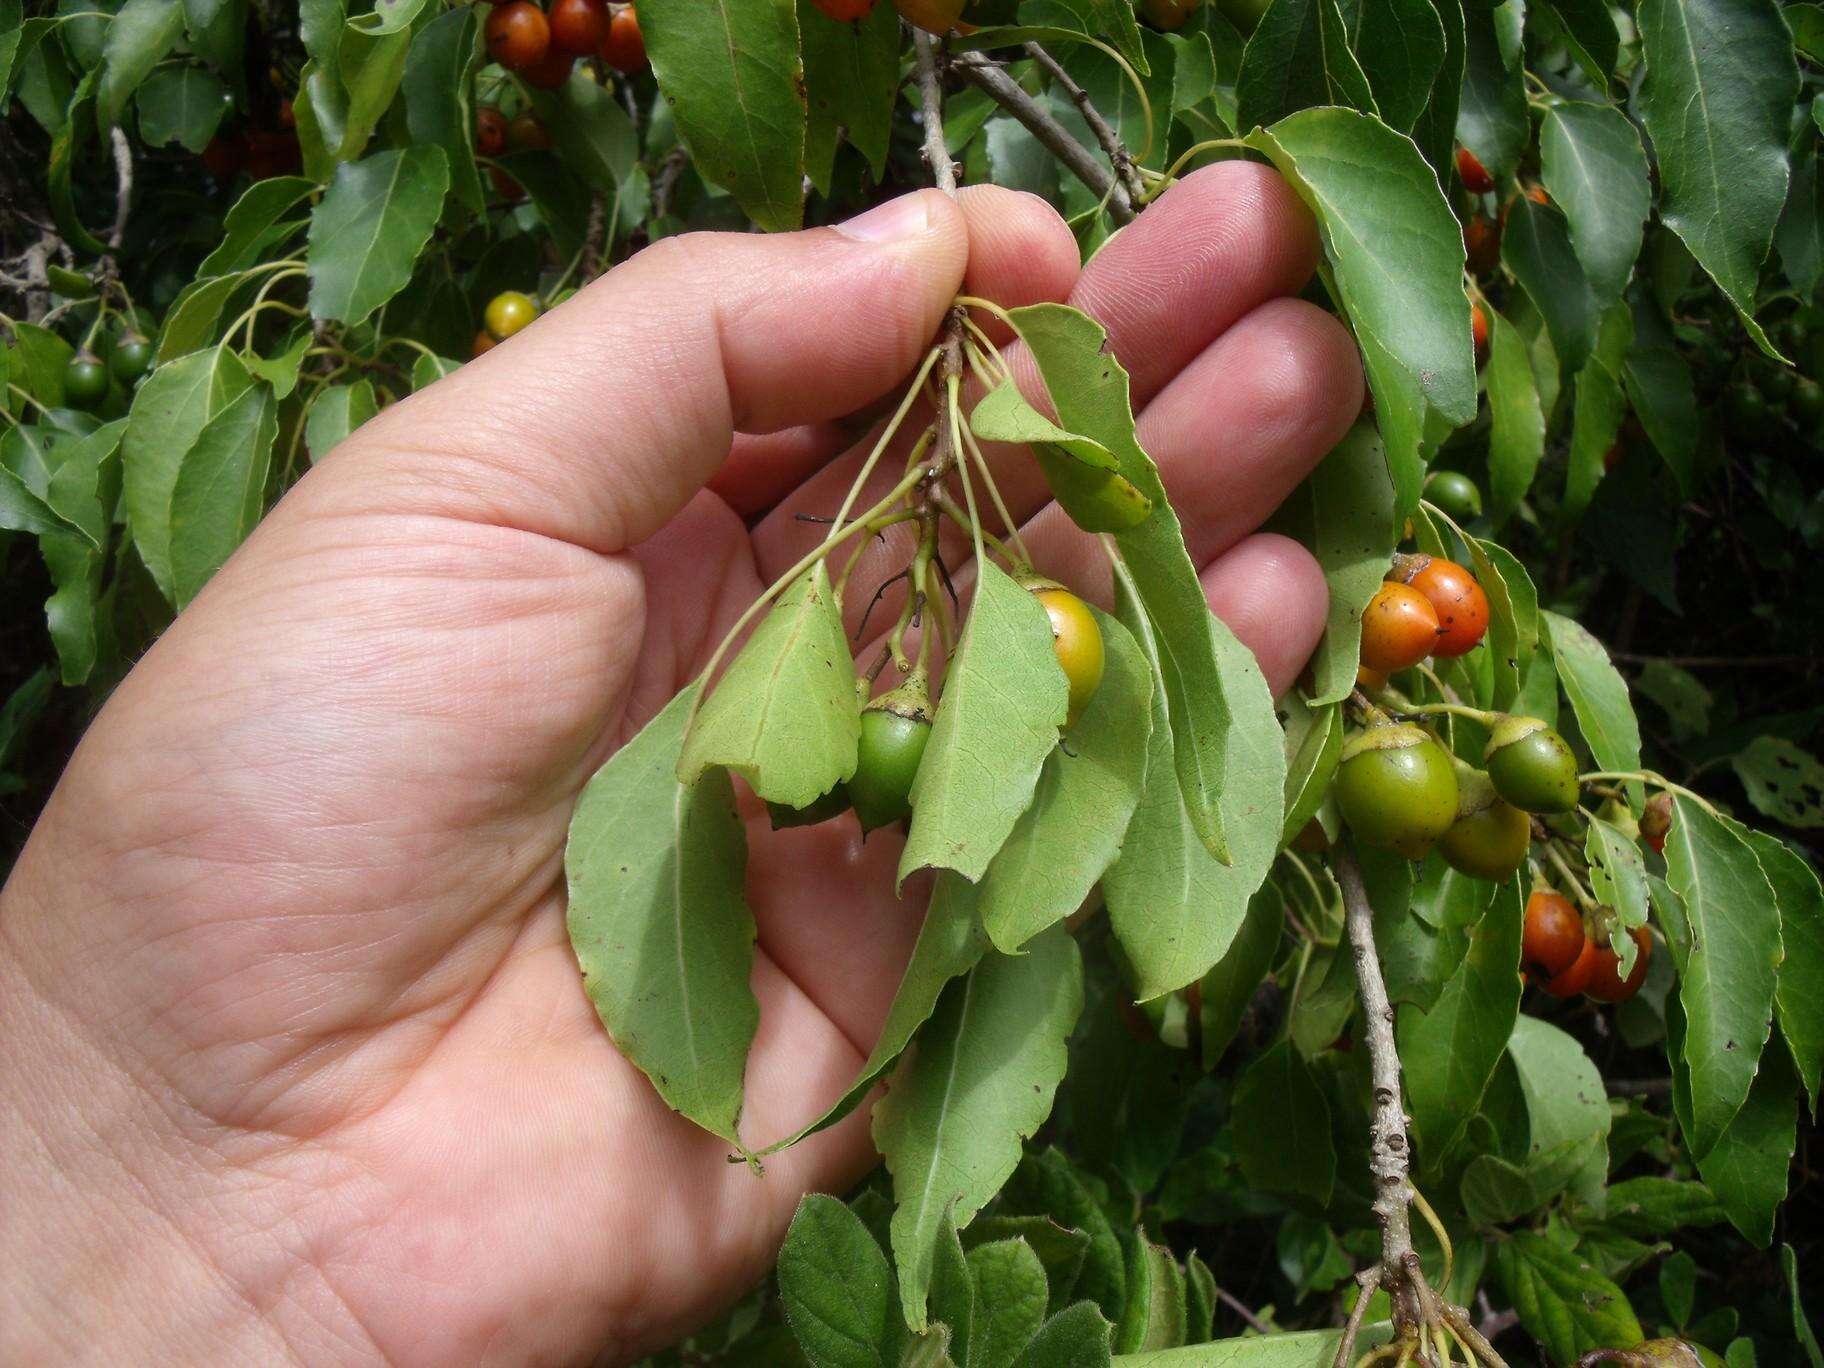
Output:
x=1599 y=408
x=1747 y=1166
x=1726 y=984
x=217 y=30
x=1452 y=1048
x=439 y=71
x=731 y=72
x=256 y=223
x=1784 y=781
x=12 y=34
x=1401 y=46
x=1491 y=120
x=1077 y=1337
x=367 y=232
x=181 y=104
x=1090 y=392
x=659 y=922
x=950 y=941
x=1004 y=699
x=1660 y=389
x=1566 y=1304
x=1011 y=1294
x=1798 y=996
x=281 y=371
x=1435 y=130
x=1598 y=694
x=1228 y=988
x=1799 y=235
x=851 y=72
x=371 y=63
x=1298 y=56
x=592 y=133
x=220 y=491
x=988 y=1063
x=141 y=34
x=1495 y=1192
x=1086 y=795
x=1595 y=170
x=836 y=1287
x=23 y=511
x=1536 y=247
x=1154 y=1317
x=1377 y=200
x=1618 y=878
x=38 y=359
x=1111 y=20
x=1314 y=745
x=1654 y=1207
x=1343 y=512
x=170 y=410
x=1173 y=906
x=1567 y=1108
x=1801 y=1325
x=1084 y=475
x=1282 y=1127
x=1062 y=1251
x=785 y=716
x=1588 y=31
x=1516 y=438
x=1719 y=88
x=1513 y=623
x=191 y=323
x=1046 y=1186
x=337 y=411
x=77 y=133
x=952 y=1286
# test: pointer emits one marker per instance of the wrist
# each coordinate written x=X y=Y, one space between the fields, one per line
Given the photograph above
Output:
x=117 y=1229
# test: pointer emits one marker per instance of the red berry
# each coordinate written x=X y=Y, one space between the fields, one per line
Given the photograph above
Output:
x=1475 y=176
x=578 y=26
x=1552 y=938
x=1478 y=328
x=550 y=71
x=624 y=49
x=845 y=11
x=1399 y=629
x=490 y=131
x=1455 y=596
x=1606 y=983
x=518 y=34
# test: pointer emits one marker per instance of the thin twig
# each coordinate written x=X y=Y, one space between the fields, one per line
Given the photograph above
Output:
x=123 y=179
x=1241 y=1308
x=985 y=76
x=937 y=151
x=1118 y=155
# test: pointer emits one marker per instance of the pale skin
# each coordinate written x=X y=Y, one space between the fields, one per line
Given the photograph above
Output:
x=296 y=1063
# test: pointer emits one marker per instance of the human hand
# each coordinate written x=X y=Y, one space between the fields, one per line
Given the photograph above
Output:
x=297 y=1059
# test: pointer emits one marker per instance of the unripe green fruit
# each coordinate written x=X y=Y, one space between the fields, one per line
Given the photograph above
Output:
x=1395 y=788
x=507 y=313
x=1455 y=493
x=132 y=358
x=832 y=804
x=85 y=381
x=894 y=730
x=1490 y=837
x=1531 y=765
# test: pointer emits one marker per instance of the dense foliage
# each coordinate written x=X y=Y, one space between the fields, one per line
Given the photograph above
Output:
x=1542 y=800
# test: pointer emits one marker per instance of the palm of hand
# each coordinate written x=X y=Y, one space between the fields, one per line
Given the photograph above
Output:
x=317 y=836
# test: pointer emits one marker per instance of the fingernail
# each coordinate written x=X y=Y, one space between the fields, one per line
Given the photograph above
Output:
x=896 y=220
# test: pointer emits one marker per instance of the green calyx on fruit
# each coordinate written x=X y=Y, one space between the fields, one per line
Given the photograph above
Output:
x=894 y=730
x=132 y=358
x=1455 y=493
x=1396 y=788
x=1531 y=765
x=818 y=810
x=1490 y=837
x=85 y=381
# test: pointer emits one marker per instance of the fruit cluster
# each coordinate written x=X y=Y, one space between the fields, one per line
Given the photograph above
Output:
x=1567 y=953
x=543 y=46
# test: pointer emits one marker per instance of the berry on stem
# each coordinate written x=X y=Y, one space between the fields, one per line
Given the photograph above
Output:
x=1656 y=822
x=490 y=131
x=1399 y=628
x=1605 y=983
x=1474 y=175
x=1531 y=765
x=132 y=358
x=1077 y=640
x=1482 y=243
x=507 y=313
x=1478 y=328
x=894 y=730
x=1453 y=594
x=1455 y=493
x=85 y=381
x=517 y=34
x=1490 y=837
x=578 y=26
x=1552 y=936
x=832 y=804
x=527 y=133
x=550 y=71
x=845 y=11
x=1396 y=788
x=624 y=49
x=1571 y=980
x=482 y=343
x=933 y=16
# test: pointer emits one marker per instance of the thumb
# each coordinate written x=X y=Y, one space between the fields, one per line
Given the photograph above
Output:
x=601 y=420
